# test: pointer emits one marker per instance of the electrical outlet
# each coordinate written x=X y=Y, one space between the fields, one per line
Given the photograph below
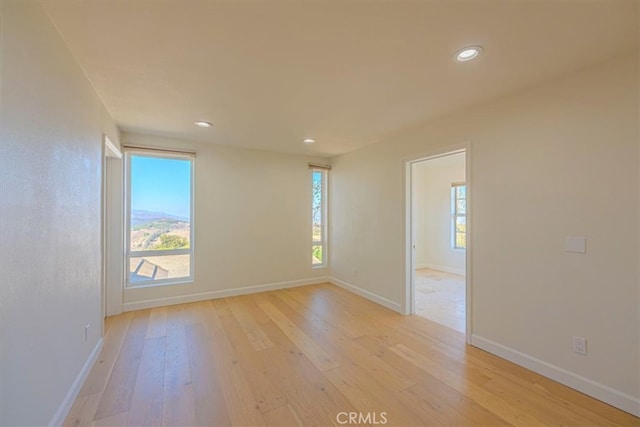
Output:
x=580 y=345
x=86 y=332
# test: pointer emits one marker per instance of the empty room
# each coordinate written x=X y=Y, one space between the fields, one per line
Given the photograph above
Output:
x=438 y=226
x=300 y=213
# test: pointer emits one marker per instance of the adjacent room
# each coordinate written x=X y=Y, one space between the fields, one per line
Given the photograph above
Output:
x=274 y=212
x=439 y=200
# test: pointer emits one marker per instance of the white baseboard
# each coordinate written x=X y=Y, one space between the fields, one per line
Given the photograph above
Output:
x=366 y=294
x=589 y=387
x=67 y=403
x=182 y=299
x=452 y=270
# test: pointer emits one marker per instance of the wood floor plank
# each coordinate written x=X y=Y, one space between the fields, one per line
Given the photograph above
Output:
x=311 y=395
x=241 y=403
x=432 y=392
x=221 y=307
x=371 y=321
x=119 y=389
x=113 y=340
x=314 y=352
x=83 y=410
x=208 y=398
x=482 y=363
x=436 y=410
x=284 y=416
x=250 y=302
x=256 y=366
x=178 y=406
x=182 y=314
x=545 y=410
x=341 y=347
x=369 y=397
x=206 y=315
x=288 y=368
x=487 y=362
x=431 y=350
x=146 y=402
x=333 y=314
x=157 y=322
x=468 y=388
x=301 y=357
x=588 y=405
x=254 y=333
x=117 y=420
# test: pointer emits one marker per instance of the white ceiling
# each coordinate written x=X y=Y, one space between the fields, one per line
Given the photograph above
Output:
x=270 y=73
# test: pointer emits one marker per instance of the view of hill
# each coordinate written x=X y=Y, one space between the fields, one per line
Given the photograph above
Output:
x=157 y=230
x=139 y=217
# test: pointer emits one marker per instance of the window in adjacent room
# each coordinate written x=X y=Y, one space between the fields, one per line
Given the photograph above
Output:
x=159 y=220
x=319 y=217
x=459 y=215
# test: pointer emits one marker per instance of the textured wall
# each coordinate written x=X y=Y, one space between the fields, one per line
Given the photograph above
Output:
x=50 y=257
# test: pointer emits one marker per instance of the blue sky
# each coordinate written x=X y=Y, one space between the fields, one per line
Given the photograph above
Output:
x=316 y=197
x=161 y=185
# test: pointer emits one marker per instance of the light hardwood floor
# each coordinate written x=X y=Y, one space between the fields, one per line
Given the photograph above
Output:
x=303 y=356
x=441 y=297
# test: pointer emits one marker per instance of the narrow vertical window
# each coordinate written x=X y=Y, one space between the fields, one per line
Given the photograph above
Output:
x=318 y=217
x=459 y=215
x=159 y=218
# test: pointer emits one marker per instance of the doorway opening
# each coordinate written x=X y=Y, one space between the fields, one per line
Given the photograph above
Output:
x=437 y=230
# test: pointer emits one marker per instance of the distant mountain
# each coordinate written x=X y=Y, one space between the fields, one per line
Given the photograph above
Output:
x=139 y=217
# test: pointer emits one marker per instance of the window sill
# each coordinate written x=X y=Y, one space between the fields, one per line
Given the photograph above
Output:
x=185 y=281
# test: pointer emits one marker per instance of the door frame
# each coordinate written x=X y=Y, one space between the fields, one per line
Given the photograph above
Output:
x=408 y=306
x=109 y=151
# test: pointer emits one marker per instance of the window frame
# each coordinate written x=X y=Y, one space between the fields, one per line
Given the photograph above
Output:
x=128 y=253
x=324 y=211
x=455 y=215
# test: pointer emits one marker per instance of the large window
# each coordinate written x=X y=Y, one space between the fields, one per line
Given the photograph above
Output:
x=159 y=218
x=459 y=215
x=319 y=218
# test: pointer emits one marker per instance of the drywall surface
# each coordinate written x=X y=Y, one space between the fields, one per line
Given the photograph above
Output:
x=558 y=160
x=50 y=264
x=252 y=221
x=432 y=213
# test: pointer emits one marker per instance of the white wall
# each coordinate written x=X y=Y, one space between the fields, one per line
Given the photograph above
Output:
x=252 y=223
x=431 y=182
x=52 y=125
x=560 y=159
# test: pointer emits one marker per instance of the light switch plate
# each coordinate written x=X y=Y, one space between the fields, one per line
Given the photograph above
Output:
x=576 y=245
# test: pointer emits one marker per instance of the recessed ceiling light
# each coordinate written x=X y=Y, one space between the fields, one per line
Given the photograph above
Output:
x=468 y=53
x=203 y=124
x=309 y=141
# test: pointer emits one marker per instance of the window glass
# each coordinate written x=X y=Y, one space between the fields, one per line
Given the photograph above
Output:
x=159 y=223
x=318 y=218
x=459 y=214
